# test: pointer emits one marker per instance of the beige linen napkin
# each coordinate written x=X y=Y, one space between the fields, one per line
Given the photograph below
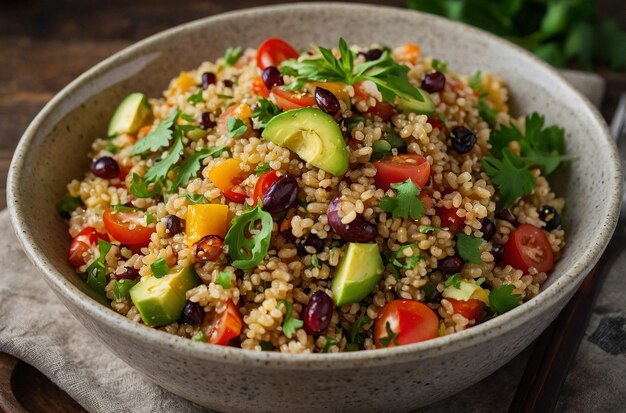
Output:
x=37 y=328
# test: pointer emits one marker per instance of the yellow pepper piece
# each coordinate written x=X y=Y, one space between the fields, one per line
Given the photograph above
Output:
x=184 y=82
x=227 y=174
x=408 y=53
x=206 y=219
x=336 y=88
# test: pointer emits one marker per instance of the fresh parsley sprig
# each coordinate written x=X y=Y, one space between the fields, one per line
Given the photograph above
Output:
x=290 y=324
x=96 y=271
x=389 y=77
x=511 y=176
x=159 y=136
x=264 y=111
x=406 y=203
x=502 y=299
x=468 y=248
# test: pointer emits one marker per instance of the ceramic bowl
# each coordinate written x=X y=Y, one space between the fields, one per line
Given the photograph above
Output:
x=52 y=152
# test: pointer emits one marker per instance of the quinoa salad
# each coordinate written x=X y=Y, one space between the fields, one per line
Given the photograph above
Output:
x=327 y=200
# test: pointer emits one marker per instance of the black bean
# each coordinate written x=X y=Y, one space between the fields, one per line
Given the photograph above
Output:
x=310 y=245
x=193 y=313
x=463 y=139
x=507 y=216
x=372 y=54
x=206 y=122
x=271 y=77
x=281 y=195
x=326 y=100
x=550 y=217
x=434 y=82
x=451 y=265
x=359 y=230
x=227 y=83
x=128 y=273
x=173 y=225
x=105 y=167
x=318 y=313
x=497 y=250
x=208 y=78
x=488 y=229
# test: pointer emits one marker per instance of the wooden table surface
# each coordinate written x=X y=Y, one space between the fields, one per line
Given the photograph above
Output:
x=46 y=44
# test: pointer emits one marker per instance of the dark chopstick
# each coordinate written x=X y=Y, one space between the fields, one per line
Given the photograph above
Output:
x=556 y=348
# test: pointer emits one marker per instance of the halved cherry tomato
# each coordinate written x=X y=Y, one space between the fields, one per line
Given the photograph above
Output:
x=128 y=227
x=383 y=110
x=82 y=242
x=470 y=309
x=528 y=247
x=273 y=52
x=262 y=185
x=221 y=328
x=450 y=220
x=259 y=87
x=399 y=168
x=287 y=100
x=235 y=194
x=409 y=321
x=436 y=123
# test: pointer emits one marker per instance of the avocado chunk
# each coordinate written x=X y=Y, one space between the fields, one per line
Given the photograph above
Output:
x=425 y=106
x=467 y=290
x=358 y=273
x=160 y=301
x=313 y=135
x=131 y=114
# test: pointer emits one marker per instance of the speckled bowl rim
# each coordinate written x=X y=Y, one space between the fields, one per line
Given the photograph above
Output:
x=330 y=361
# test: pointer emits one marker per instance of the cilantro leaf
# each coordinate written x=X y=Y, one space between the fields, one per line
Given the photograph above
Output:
x=96 y=271
x=264 y=111
x=261 y=169
x=139 y=188
x=235 y=127
x=453 y=281
x=196 y=97
x=502 y=299
x=160 y=169
x=439 y=65
x=468 y=248
x=225 y=279
x=409 y=262
x=330 y=341
x=232 y=55
x=191 y=165
x=195 y=198
x=68 y=205
x=121 y=289
x=406 y=203
x=159 y=136
x=392 y=337
x=425 y=229
x=486 y=112
x=159 y=268
x=474 y=83
x=510 y=176
x=290 y=324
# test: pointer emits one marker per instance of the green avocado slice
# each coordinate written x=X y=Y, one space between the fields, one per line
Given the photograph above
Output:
x=357 y=274
x=160 y=301
x=131 y=114
x=425 y=106
x=313 y=135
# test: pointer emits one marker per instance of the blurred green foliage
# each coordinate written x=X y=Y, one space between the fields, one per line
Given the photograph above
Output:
x=558 y=31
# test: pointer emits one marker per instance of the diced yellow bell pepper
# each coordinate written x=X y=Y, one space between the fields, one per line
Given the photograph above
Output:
x=184 y=82
x=206 y=219
x=227 y=174
x=336 y=88
x=408 y=53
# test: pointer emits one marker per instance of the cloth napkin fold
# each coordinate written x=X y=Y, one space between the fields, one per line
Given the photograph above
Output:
x=36 y=328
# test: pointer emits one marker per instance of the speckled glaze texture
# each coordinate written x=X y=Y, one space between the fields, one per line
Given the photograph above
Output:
x=52 y=152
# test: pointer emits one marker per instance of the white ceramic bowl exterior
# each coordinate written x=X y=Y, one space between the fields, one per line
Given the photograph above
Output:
x=53 y=149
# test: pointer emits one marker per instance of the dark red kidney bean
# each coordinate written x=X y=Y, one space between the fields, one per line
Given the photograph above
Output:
x=209 y=248
x=227 y=83
x=193 y=313
x=434 y=82
x=372 y=54
x=359 y=230
x=173 y=225
x=281 y=195
x=313 y=242
x=206 y=122
x=450 y=265
x=507 y=216
x=317 y=313
x=497 y=251
x=208 y=78
x=488 y=229
x=128 y=273
x=271 y=77
x=105 y=167
x=326 y=100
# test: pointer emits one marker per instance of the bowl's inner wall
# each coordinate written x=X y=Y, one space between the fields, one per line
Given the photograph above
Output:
x=59 y=152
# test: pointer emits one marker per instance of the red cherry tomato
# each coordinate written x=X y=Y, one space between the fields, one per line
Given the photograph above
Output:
x=383 y=110
x=82 y=242
x=273 y=52
x=287 y=100
x=436 y=123
x=221 y=328
x=426 y=196
x=259 y=87
x=410 y=321
x=470 y=309
x=450 y=220
x=235 y=194
x=262 y=185
x=528 y=247
x=128 y=227
x=399 y=168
